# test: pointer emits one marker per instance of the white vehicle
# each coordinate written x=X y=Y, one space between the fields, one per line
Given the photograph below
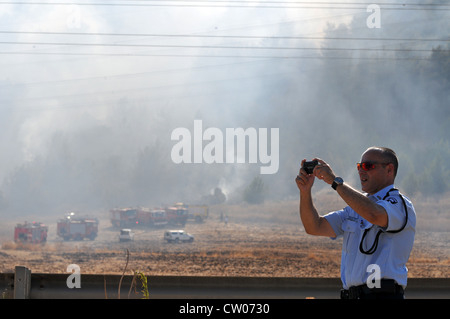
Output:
x=126 y=235
x=176 y=236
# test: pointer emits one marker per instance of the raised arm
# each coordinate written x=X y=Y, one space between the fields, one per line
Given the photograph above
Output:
x=312 y=222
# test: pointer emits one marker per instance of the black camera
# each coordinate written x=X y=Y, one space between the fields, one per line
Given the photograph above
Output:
x=309 y=166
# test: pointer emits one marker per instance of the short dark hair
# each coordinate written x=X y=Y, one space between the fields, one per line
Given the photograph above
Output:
x=389 y=155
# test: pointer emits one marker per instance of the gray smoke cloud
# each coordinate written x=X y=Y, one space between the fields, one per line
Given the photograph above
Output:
x=88 y=126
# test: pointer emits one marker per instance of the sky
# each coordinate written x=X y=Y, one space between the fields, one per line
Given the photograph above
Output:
x=90 y=92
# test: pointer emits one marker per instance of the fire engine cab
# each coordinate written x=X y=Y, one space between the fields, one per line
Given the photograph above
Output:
x=34 y=232
x=177 y=214
x=77 y=228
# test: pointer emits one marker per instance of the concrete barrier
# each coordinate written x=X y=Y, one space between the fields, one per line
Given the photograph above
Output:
x=22 y=284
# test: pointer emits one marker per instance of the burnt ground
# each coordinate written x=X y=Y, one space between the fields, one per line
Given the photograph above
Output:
x=218 y=250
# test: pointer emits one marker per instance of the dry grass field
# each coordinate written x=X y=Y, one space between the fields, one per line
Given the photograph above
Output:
x=259 y=240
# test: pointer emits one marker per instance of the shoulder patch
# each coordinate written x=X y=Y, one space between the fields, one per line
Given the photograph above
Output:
x=392 y=200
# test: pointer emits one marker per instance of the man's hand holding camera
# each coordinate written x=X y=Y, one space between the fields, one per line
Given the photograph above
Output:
x=311 y=169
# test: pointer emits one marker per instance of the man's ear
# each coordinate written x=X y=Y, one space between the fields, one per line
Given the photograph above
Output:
x=391 y=169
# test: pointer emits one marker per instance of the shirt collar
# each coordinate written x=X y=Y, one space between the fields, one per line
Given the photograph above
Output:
x=382 y=193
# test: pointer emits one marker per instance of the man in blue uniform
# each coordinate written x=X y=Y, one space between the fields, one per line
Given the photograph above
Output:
x=378 y=226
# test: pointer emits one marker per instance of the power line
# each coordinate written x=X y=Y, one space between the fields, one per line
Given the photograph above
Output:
x=249 y=4
x=183 y=46
x=146 y=73
x=295 y=2
x=223 y=36
x=209 y=56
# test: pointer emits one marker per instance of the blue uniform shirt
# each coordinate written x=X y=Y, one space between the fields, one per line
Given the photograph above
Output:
x=393 y=248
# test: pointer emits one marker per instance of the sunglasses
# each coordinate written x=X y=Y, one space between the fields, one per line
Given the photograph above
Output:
x=367 y=166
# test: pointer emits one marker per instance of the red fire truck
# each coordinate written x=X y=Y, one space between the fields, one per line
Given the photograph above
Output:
x=177 y=214
x=158 y=217
x=34 y=232
x=124 y=217
x=152 y=217
x=77 y=228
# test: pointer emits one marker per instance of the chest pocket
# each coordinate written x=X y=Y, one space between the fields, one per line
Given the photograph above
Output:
x=349 y=227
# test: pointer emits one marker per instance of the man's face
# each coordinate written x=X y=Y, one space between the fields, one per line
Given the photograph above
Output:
x=377 y=178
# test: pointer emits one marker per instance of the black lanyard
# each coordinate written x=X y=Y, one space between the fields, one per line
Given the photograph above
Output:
x=374 y=247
